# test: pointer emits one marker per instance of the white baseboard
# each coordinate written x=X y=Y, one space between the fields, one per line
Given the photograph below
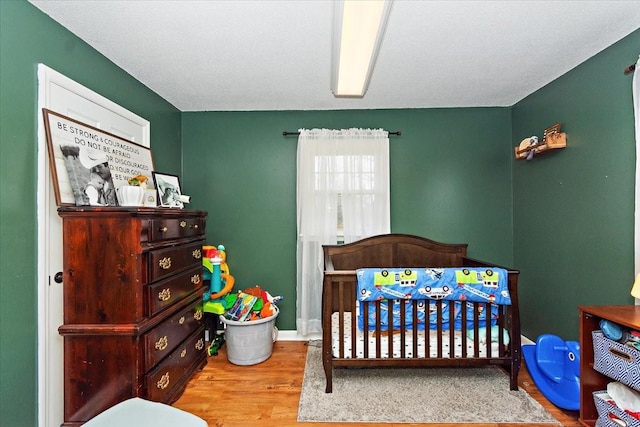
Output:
x=526 y=340
x=294 y=336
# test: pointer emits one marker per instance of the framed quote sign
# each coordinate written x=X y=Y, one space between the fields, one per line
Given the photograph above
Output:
x=89 y=164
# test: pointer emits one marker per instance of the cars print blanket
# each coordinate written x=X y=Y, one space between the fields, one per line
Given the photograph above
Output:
x=463 y=285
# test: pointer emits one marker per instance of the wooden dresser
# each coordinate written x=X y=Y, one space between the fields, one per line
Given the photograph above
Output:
x=133 y=319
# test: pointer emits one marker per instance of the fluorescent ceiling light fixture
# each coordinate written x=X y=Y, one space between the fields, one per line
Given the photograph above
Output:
x=358 y=31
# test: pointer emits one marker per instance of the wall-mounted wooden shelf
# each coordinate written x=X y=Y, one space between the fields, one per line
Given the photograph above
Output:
x=552 y=141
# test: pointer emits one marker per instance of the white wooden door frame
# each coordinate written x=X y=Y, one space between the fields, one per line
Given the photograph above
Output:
x=50 y=346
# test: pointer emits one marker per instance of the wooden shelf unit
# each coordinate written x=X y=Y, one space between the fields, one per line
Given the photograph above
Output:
x=590 y=379
x=553 y=141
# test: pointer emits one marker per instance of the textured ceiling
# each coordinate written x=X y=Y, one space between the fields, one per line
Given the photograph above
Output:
x=276 y=55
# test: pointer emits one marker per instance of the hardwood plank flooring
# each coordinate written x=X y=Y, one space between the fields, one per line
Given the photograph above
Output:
x=267 y=394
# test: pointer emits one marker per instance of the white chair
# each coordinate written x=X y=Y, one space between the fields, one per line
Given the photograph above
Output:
x=136 y=412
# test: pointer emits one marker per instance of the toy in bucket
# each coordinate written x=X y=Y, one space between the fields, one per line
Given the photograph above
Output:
x=250 y=304
x=250 y=326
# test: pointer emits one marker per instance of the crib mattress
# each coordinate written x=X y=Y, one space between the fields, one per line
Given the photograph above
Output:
x=460 y=340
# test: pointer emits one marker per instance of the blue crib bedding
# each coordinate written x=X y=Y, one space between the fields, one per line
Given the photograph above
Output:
x=463 y=286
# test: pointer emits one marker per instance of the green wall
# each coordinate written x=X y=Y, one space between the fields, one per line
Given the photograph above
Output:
x=29 y=37
x=450 y=180
x=453 y=178
x=573 y=208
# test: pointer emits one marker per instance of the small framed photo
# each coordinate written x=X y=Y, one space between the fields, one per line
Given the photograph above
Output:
x=150 y=198
x=168 y=188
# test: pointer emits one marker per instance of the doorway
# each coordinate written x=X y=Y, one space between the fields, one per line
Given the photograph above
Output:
x=63 y=95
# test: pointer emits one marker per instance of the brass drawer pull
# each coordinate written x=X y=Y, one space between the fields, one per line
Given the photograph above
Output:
x=165 y=263
x=165 y=294
x=195 y=279
x=197 y=254
x=183 y=224
x=200 y=344
x=183 y=353
x=197 y=315
x=181 y=321
x=162 y=343
x=163 y=229
x=195 y=226
x=163 y=382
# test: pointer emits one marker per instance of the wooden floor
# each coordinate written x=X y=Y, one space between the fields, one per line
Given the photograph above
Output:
x=267 y=394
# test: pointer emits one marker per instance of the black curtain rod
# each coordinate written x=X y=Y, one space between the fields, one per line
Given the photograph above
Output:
x=285 y=133
x=630 y=69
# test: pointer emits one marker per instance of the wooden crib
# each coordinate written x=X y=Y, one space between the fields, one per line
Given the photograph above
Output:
x=343 y=347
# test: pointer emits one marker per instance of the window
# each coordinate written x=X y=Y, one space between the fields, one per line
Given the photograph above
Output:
x=345 y=185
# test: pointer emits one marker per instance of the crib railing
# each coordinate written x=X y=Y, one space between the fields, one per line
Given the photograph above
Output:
x=340 y=303
x=432 y=333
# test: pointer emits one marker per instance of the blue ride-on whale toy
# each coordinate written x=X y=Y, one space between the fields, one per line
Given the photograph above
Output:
x=554 y=365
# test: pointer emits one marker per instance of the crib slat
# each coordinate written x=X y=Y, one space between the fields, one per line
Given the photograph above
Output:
x=378 y=331
x=487 y=322
x=365 y=313
x=354 y=319
x=341 y=317
x=464 y=335
x=427 y=332
x=414 y=332
x=501 y=331
x=452 y=328
x=476 y=330
x=439 y=335
x=390 y=306
x=403 y=328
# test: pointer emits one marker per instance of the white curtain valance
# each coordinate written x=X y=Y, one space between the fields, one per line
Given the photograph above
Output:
x=343 y=133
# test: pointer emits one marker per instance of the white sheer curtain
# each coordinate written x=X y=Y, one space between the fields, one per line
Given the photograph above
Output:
x=636 y=106
x=338 y=170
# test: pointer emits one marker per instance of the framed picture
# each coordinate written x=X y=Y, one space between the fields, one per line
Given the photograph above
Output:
x=89 y=164
x=555 y=128
x=168 y=188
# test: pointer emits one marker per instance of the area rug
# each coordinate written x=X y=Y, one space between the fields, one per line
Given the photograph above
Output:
x=429 y=395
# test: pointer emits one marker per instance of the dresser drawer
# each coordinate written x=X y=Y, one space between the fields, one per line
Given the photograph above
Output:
x=165 y=338
x=166 y=292
x=172 y=370
x=165 y=262
x=175 y=228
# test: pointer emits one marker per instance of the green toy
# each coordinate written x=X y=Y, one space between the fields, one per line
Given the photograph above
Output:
x=215 y=345
x=215 y=269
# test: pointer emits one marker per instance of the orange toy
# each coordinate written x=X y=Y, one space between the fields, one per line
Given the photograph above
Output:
x=229 y=281
x=267 y=310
